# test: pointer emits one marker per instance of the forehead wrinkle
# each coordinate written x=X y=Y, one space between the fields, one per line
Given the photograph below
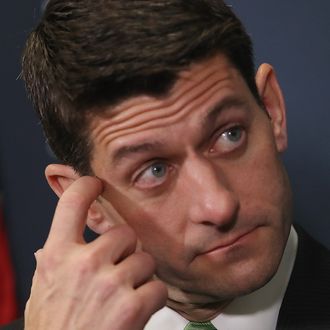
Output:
x=143 y=104
x=185 y=83
x=162 y=111
x=110 y=134
x=207 y=120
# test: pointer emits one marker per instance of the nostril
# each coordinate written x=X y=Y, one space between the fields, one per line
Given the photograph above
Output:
x=220 y=210
x=228 y=226
x=224 y=220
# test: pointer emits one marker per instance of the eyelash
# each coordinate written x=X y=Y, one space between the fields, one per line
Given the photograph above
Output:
x=153 y=165
x=234 y=144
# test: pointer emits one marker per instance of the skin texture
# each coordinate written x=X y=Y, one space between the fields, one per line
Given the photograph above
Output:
x=197 y=176
x=88 y=286
x=213 y=191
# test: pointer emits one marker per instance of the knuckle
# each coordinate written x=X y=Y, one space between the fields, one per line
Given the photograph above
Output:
x=38 y=254
x=161 y=290
x=86 y=263
x=47 y=261
x=108 y=285
x=132 y=309
x=46 y=268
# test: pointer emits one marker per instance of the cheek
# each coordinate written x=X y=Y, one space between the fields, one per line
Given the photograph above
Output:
x=155 y=221
x=262 y=186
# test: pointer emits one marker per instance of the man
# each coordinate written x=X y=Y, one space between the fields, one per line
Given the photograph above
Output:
x=170 y=148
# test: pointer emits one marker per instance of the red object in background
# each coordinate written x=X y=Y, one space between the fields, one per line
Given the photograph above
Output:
x=8 y=302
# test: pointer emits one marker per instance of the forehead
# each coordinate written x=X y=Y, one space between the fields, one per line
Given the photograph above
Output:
x=197 y=89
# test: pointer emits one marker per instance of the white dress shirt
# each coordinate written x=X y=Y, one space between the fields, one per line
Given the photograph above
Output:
x=256 y=311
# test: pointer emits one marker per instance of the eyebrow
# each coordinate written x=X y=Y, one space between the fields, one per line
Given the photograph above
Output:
x=126 y=151
x=221 y=106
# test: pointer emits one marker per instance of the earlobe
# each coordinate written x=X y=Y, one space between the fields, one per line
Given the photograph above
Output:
x=96 y=220
x=102 y=216
x=273 y=100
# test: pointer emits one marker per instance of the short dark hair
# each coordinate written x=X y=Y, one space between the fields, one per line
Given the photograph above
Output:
x=85 y=54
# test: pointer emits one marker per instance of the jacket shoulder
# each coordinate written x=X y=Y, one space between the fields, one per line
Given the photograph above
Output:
x=307 y=299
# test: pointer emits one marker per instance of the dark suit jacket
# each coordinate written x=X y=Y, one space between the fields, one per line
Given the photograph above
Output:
x=306 y=304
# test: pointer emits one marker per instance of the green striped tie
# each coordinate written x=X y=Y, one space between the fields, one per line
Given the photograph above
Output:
x=200 y=326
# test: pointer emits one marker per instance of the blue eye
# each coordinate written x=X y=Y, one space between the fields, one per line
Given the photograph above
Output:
x=234 y=134
x=153 y=175
x=229 y=140
x=158 y=170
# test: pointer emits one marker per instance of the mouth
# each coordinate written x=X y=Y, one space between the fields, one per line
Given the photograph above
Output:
x=230 y=242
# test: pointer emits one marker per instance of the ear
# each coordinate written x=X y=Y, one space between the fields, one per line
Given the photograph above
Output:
x=59 y=178
x=273 y=100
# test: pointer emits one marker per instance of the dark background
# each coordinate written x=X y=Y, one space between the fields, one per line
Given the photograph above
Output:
x=292 y=35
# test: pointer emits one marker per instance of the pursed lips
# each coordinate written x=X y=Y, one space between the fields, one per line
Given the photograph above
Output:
x=230 y=241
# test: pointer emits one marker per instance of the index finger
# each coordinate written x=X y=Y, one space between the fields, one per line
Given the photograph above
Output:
x=70 y=216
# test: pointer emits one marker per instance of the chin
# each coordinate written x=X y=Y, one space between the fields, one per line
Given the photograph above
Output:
x=247 y=274
x=233 y=272
x=243 y=278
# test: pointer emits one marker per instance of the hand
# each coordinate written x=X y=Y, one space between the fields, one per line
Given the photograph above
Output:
x=100 y=285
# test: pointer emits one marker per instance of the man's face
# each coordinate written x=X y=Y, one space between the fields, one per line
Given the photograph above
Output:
x=197 y=175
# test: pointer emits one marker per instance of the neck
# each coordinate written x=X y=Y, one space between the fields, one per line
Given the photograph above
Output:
x=195 y=308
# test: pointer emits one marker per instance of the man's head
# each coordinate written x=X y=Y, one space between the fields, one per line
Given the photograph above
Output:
x=86 y=56
x=159 y=100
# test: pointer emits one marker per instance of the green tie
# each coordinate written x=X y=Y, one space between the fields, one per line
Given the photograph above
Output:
x=200 y=326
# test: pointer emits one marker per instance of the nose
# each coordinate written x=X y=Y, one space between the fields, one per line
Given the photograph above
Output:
x=208 y=192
